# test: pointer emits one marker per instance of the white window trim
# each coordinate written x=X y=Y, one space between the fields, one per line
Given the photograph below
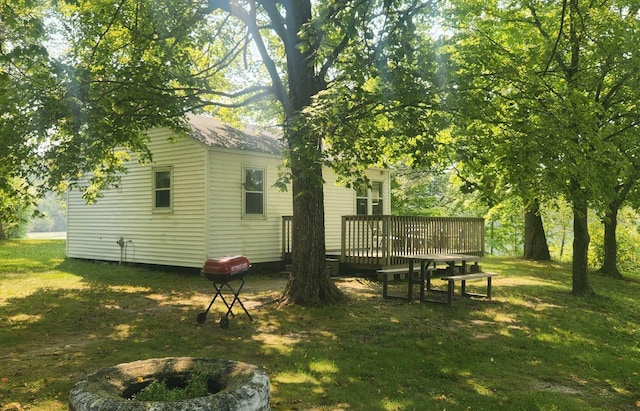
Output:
x=370 y=198
x=154 y=190
x=246 y=215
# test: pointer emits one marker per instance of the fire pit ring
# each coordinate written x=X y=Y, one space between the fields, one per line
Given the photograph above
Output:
x=233 y=386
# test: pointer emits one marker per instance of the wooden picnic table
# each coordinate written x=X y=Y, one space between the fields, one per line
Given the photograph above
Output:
x=432 y=260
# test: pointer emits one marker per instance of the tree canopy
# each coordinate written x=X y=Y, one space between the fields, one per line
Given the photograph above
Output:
x=347 y=77
x=25 y=78
x=536 y=100
x=547 y=103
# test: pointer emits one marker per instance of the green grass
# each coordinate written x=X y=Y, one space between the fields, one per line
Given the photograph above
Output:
x=534 y=347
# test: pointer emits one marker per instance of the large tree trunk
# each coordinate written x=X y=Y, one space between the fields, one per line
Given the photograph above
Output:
x=535 y=240
x=610 y=263
x=309 y=282
x=580 y=274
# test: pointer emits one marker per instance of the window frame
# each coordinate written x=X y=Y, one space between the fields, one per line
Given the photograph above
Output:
x=365 y=192
x=155 y=189
x=245 y=192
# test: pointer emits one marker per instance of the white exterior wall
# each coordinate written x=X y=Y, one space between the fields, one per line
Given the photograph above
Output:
x=207 y=219
x=164 y=238
x=259 y=238
x=340 y=201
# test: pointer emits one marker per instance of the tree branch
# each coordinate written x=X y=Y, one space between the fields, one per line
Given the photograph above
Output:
x=249 y=19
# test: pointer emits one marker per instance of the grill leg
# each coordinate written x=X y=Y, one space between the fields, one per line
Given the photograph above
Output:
x=203 y=316
x=236 y=298
x=224 y=321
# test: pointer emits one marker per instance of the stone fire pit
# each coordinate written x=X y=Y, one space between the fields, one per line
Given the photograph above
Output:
x=232 y=386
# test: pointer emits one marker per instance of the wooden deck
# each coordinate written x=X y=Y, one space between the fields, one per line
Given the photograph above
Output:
x=371 y=242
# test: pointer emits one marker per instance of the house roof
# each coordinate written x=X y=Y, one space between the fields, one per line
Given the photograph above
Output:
x=215 y=133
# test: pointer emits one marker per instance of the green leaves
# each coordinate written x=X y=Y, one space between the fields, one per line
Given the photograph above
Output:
x=524 y=107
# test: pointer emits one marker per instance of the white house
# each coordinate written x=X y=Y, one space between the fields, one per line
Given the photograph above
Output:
x=208 y=194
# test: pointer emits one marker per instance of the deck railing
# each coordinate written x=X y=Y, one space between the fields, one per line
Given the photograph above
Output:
x=287 y=220
x=381 y=240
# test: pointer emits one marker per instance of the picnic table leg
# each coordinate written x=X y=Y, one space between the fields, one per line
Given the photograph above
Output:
x=450 y=292
x=452 y=268
x=422 y=270
x=489 y=287
x=463 y=288
x=410 y=281
x=385 y=285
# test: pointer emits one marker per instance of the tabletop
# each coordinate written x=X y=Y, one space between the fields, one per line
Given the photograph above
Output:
x=441 y=257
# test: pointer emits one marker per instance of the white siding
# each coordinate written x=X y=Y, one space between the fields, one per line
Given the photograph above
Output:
x=259 y=238
x=165 y=238
x=340 y=201
x=207 y=219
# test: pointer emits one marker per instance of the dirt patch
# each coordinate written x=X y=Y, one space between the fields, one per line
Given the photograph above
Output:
x=555 y=387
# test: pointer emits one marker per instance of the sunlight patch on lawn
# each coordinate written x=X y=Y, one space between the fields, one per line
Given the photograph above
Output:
x=180 y=299
x=121 y=332
x=323 y=367
x=282 y=344
x=130 y=289
x=295 y=378
x=26 y=285
x=21 y=320
x=480 y=388
x=389 y=405
x=615 y=386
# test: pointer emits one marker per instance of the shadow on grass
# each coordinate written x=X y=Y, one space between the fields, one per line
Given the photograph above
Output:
x=533 y=347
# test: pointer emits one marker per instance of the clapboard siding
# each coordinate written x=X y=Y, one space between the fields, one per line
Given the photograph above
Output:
x=175 y=238
x=206 y=220
x=340 y=200
x=259 y=238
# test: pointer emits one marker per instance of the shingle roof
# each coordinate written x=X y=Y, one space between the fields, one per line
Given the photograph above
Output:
x=218 y=134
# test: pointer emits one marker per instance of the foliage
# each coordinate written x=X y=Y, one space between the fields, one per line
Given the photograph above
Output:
x=24 y=81
x=505 y=228
x=557 y=218
x=430 y=192
x=628 y=239
x=531 y=348
x=14 y=209
x=158 y=390
x=546 y=102
x=349 y=81
x=51 y=215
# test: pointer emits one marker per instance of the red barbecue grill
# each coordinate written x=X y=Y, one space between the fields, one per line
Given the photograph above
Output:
x=222 y=271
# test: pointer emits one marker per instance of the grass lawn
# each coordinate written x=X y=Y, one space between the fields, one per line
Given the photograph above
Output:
x=534 y=347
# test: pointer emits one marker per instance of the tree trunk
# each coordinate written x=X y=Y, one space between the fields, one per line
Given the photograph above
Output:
x=309 y=282
x=535 y=240
x=2 y=235
x=580 y=271
x=610 y=263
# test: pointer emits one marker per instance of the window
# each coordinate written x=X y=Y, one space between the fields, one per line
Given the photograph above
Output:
x=362 y=200
x=369 y=200
x=162 y=187
x=376 y=198
x=253 y=191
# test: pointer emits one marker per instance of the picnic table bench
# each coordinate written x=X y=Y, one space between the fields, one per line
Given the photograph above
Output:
x=428 y=263
x=463 y=278
x=385 y=273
